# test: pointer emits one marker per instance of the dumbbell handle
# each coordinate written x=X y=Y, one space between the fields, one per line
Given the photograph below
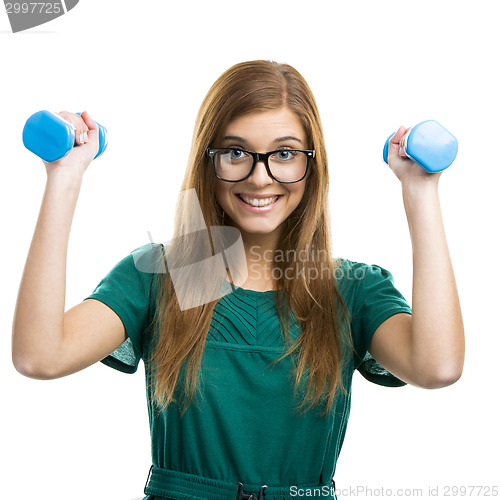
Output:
x=51 y=137
x=429 y=145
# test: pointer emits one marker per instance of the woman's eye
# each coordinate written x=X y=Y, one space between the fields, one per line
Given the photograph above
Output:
x=285 y=154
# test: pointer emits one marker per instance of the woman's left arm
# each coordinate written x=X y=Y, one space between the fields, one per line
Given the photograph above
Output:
x=425 y=349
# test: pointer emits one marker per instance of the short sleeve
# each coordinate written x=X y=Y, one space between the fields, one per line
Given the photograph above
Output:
x=375 y=300
x=128 y=290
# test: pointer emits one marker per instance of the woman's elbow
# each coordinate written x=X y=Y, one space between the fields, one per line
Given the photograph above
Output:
x=30 y=368
x=443 y=378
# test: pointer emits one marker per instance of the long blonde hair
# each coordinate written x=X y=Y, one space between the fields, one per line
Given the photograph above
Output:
x=250 y=87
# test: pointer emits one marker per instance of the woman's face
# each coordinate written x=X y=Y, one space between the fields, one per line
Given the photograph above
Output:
x=262 y=132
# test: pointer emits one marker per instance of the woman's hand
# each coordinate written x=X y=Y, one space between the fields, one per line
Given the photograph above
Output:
x=408 y=172
x=87 y=146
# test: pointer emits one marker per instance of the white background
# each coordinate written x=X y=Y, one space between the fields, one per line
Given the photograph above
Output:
x=142 y=69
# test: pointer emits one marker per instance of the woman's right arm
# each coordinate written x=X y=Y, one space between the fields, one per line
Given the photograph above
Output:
x=48 y=342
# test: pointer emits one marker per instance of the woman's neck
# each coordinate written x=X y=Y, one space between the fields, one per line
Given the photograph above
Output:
x=259 y=253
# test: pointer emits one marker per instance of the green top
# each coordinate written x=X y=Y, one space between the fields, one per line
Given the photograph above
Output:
x=241 y=425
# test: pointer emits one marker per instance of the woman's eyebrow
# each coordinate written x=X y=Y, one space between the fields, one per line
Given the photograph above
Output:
x=280 y=139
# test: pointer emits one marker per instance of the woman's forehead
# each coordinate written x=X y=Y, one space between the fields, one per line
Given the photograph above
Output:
x=280 y=123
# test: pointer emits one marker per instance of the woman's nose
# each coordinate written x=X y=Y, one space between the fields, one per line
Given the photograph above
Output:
x=260 y=175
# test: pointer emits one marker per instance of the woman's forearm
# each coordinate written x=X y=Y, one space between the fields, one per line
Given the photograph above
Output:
x=438 y=344
x=38 y=324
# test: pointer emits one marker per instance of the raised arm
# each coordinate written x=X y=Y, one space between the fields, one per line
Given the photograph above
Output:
x=46 y=342
x=425 y=349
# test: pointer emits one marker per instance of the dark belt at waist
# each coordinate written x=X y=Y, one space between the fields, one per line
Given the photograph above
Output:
x=181 y=486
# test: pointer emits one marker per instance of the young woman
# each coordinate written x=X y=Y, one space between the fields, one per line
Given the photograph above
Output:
x=249 y=329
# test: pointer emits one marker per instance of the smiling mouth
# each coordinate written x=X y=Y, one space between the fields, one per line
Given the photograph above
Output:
x=256 y=202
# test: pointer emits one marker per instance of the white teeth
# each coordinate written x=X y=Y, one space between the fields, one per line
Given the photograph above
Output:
x=261 y=202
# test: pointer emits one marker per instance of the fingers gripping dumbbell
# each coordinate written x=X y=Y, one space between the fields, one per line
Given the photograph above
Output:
x=429 y=145
x=51 y=137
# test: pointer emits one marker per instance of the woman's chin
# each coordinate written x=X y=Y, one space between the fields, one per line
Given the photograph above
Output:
x=256 y=227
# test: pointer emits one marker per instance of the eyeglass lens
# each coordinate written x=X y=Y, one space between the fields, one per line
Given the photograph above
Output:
x=285 y=165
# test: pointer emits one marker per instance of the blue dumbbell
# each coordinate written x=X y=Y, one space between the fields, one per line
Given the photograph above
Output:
x=429 y=145
x=51 y=137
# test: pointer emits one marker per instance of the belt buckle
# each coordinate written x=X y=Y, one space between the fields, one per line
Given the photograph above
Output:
x=243 y=496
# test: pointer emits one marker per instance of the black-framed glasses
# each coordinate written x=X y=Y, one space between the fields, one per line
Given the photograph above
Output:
x=282 y=165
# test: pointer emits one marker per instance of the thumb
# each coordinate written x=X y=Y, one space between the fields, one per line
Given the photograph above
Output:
x=91 y=124
x=396 y=138
x=93 y=132
x=395 y=141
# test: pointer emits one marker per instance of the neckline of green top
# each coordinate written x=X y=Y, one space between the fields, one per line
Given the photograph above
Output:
x=247 y=291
